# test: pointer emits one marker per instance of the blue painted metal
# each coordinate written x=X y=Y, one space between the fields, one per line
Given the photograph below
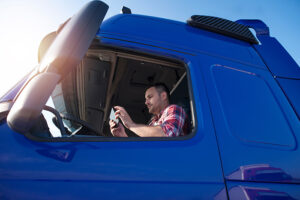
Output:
x=291 y=88
x=276 y=58
x=178 y=36
x=245 y=143
x=244 y=116
x=259 y=26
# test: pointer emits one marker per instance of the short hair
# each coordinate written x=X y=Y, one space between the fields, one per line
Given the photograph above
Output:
x=161 y=87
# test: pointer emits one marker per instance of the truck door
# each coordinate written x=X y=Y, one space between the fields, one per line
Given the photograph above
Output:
x=99 y=166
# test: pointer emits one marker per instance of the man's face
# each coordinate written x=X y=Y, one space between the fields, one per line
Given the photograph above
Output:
x=153 y=101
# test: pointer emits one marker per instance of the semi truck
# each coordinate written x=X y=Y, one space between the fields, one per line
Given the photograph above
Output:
x=238 y=85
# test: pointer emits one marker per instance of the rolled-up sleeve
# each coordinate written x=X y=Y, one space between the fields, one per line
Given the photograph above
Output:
x=173 y=121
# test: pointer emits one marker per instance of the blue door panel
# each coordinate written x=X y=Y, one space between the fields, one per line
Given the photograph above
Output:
x=246 y=154
x=40 y=189
x=170 y=161
x=180 y=166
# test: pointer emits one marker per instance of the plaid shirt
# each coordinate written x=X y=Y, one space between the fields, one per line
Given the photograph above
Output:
x=173 y=121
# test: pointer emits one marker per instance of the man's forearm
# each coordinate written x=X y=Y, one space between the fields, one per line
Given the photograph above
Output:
x=147 y=131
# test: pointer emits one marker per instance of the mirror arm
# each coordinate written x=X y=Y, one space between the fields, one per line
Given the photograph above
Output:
x=31 y=101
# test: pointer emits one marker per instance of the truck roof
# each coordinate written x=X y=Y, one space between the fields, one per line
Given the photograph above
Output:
x=177 y=36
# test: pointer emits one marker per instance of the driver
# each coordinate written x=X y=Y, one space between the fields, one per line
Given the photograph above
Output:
x=167 y=121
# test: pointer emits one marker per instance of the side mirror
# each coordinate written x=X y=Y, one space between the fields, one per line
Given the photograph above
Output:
x=65 y=51
x=31 y=101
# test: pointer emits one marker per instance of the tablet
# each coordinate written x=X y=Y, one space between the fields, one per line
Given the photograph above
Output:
x=112 y=116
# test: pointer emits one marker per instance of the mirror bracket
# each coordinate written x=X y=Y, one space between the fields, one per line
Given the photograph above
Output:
x=29 y=104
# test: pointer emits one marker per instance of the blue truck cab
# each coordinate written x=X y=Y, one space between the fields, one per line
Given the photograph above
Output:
x=240 y=90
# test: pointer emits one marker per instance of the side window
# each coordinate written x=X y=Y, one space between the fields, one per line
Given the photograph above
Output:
x=84 y=98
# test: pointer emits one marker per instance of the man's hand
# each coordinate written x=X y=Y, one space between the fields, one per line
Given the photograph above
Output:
x=122 y=114
x=139 y=129
x=117 y=129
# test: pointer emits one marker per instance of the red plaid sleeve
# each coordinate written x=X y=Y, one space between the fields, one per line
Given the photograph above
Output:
x=173 y=119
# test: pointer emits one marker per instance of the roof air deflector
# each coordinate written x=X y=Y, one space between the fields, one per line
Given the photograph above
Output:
x=222 y=26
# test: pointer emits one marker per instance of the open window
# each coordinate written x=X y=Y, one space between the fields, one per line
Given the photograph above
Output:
x=104 y=79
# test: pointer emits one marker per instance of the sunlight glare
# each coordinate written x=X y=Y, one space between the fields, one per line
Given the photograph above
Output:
x=21 y=34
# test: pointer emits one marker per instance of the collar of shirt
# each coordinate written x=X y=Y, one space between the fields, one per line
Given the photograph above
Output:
x=155 y=118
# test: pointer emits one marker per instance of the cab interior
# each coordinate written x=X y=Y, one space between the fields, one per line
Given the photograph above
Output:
x=107 y=78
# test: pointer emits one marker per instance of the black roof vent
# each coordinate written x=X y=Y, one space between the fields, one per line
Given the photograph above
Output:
x=223 y=26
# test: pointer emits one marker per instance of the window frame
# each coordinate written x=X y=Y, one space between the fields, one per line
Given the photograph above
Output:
x=141 y=56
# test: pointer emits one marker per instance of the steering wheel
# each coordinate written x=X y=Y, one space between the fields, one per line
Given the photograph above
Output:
x=60 y=125
x=70 y=117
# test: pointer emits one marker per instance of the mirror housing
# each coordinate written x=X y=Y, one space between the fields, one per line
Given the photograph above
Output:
x=66 y=50
x=31 y=101
x=74 y=39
